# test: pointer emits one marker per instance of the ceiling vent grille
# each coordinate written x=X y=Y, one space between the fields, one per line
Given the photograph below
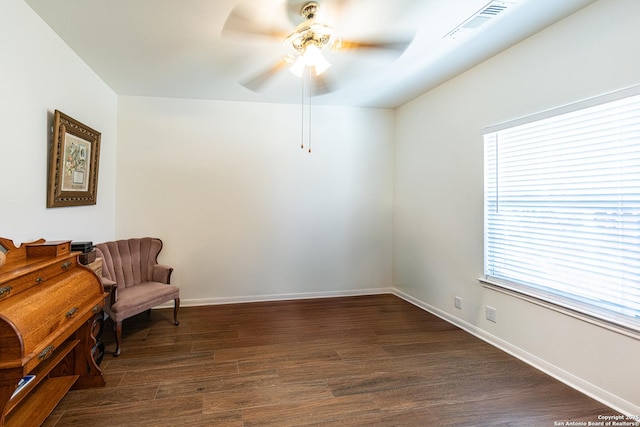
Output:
x=480 y=18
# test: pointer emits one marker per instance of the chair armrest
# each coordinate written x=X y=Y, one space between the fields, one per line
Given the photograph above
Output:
x=108 y=284
x=162 y=273
x=111 y=287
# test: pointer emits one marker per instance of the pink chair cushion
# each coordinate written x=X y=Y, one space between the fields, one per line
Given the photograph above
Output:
x=141 y=297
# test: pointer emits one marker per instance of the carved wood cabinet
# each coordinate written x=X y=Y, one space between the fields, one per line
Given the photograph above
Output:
x=50 y=316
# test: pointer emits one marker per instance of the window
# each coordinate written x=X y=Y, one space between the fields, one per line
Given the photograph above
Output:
x=562 y=207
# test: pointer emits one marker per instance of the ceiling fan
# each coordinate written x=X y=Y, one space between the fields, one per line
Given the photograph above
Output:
x=305 y=46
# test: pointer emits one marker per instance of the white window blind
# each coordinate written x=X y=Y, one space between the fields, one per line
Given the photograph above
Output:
x=562 y=209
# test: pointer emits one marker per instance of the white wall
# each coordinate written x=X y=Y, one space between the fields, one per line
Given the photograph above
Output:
x=39 y=74
x=245 y=214
x=438 y=213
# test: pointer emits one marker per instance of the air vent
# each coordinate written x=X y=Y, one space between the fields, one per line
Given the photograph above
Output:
x=480 y=18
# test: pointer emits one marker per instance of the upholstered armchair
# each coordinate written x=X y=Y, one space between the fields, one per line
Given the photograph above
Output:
x=134 y=279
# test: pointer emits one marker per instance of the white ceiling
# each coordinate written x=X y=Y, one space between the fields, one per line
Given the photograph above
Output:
x=174 y=48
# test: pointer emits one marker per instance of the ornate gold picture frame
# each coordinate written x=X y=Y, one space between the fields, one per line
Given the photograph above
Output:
x=73 y=163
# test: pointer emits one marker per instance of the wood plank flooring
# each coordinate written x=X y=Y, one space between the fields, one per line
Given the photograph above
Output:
x=356 y=361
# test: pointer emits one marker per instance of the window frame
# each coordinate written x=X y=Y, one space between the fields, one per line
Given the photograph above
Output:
x=542 y=298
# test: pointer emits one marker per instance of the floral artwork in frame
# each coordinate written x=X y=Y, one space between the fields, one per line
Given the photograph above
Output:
x=73 y=163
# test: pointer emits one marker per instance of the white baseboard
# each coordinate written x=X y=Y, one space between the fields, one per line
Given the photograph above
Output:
x=278 y=297
x=591 y=390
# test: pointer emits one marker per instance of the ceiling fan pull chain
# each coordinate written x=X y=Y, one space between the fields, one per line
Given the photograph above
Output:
x=306 y=102
x=302 y=115
x=309 y=122
x=309 y=105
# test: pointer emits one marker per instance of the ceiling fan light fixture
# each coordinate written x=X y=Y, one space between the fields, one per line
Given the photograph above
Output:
x=297 y=67
x=311 y=57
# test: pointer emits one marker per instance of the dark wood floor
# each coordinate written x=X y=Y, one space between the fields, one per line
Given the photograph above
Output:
x=360 y=361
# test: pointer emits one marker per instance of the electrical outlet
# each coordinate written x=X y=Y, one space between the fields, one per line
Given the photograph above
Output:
x=458 y=302
x=491 y=314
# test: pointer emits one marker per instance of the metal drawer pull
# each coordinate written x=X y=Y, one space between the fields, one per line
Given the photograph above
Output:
x=66 y=265
x=97 y=309
x=39 y=280
x=44 y=354
x=4 y=292
x=72 y=312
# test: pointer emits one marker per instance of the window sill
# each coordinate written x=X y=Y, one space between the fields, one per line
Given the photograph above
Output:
x=558 y=307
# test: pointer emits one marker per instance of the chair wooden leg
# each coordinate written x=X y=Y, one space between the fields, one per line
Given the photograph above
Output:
x=118 y=331
x=175 y=311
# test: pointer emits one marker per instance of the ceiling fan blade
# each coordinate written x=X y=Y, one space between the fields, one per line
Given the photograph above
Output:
x=241 y=21
x=259 y=80
x=396 y=45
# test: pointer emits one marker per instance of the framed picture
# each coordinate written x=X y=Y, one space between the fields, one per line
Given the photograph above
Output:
x=73 y=163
